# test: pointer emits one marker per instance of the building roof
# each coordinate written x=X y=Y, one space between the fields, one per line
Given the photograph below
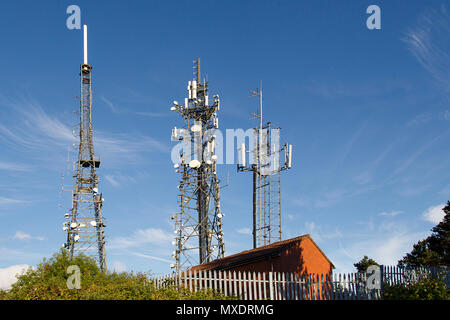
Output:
x=249 y=256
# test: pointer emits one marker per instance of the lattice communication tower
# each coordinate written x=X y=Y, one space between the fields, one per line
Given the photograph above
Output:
x=266 y=166
x=198 y=224
x=85 y=224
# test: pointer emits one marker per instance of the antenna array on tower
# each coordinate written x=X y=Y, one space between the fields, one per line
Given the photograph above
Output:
x=84 y=223
x=198 y=224
x=266 y=169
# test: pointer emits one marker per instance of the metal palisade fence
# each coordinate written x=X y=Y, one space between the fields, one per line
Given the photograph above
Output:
x=247 y=285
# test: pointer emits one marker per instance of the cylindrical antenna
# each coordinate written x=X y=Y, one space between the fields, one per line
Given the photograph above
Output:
x=289 y=164
x=198 y=70
x=243 y=162
x=85 y=60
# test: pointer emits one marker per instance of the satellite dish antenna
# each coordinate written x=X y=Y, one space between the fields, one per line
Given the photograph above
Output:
x=93 y=223
x=194 y=163
x=76 y=238
x=73 y=225
x=196 y=128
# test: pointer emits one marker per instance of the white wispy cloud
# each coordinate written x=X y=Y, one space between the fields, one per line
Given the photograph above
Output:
x=445 y=190
x=17 y=256
x=141 y=237
x=119 y=266
x=447 y=115
x=111 y=106
x=321 y=233
x=386 y=244
x=412 y=158
x=366 y=176
x=434 y=214
x=112 y=180
x=152 y=257
x=419 y=119
x=37 y=131
x=7 y=201
x=390 y=213
x=114 y=109
x=20 y=235
x=330 y=197
x=245 y=231
x=9 y=166
x=429 y=42
x=356 y=89
x=8 y=275
x=347 y=148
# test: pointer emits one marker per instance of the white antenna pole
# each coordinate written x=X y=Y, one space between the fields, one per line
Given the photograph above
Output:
x=260 y=104
x=260 y=123
x=243 y=162
x=85 y=61
x=290 y=157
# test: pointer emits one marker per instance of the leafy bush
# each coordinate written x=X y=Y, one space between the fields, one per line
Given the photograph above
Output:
x=426 y=289
x=49 y=282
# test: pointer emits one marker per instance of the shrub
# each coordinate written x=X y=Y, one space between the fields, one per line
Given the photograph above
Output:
x=49 y=282
x=426 y=289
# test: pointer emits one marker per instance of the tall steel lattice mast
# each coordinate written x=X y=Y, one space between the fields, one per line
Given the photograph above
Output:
x=85 y=228
x=266 y=169
x=198 y=224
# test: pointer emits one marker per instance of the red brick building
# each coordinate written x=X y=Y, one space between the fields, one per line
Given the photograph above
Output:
x=299 y=255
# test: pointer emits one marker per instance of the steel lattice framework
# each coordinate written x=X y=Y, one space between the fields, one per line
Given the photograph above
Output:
x=266 y=169
x=198 y=224
x=85 y=225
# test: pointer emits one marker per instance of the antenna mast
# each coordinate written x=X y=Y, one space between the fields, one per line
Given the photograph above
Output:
x=266 y=171
x=198 y=224
x=85 y=223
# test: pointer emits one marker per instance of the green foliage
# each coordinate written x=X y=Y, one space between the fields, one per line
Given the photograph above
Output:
x=420 y=256
x=427 y=289
x=434 y=250
x=364 y=263
x=48 y=281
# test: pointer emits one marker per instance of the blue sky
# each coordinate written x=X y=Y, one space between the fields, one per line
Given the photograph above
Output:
x=367 y=112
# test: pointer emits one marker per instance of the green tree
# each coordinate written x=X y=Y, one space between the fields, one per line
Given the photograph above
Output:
x=364 y=263
x=435 y=249
x=48 y=281
x=426 y=289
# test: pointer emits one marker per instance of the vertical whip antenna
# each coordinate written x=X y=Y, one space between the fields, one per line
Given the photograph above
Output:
x=85 y=57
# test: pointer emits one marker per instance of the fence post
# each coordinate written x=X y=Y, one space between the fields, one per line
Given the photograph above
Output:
x=381 y=281
x=270 y=285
